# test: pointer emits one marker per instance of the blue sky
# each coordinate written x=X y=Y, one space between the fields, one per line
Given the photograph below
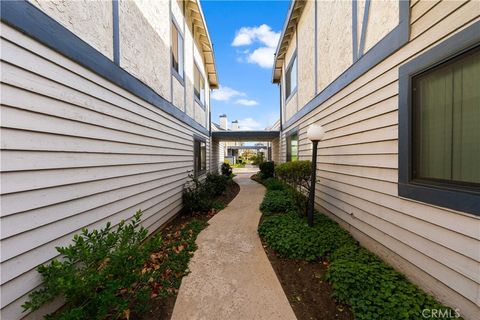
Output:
x=245 y=35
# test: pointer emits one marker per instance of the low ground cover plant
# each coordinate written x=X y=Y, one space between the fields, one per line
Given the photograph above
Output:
x=359 y=278
x=277 y=201
x=112 y=273
x=274 y=184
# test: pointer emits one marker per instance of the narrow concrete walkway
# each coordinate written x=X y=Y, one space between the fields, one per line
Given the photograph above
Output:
x=231 y=277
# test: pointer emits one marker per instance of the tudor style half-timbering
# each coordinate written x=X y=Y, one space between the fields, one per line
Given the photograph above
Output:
x=105 y=110
x=395 y=85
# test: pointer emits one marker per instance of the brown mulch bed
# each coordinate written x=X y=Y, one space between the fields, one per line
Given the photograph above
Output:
x=307 y=291
x=163 y=308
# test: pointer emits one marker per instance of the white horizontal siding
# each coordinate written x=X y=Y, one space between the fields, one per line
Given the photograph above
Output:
x=217 y=154
x=358 y=162
x=77 y=151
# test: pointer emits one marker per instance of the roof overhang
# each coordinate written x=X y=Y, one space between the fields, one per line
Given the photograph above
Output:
x=245 y=135
x=288 y=32
x=246 y=147
x=200 y=31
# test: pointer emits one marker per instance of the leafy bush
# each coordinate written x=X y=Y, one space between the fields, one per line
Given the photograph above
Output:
x=295 y=173
x=216 y=183
x=101 y=274
x=274 y=184
x=300 y=200
x=226 y=169
x=267 y=169
x=196 y=196
x=257 y=159
x=276 y=201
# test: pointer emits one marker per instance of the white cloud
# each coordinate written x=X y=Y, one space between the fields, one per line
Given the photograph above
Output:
x=265 y=36
x=226 y=93
x=249 y=124
x=246 y=102
x=262 y=56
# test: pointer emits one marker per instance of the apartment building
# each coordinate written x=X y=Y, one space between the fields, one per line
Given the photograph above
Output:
x=105 y=110
x=395 y=84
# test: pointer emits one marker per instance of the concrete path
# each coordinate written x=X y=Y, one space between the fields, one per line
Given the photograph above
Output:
x=231 y=277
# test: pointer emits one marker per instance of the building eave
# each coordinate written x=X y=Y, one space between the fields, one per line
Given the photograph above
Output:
x=294 y=14
x=203 y=37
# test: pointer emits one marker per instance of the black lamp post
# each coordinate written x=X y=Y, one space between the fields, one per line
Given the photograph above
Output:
x=315 y=133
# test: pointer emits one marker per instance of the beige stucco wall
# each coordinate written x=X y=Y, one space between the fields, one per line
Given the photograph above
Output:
x=178 y=94
x=147 y=57
x=92 y=23
x=291 y=106
x=334 y=37
x=383 y=18
x=200 y=114
x=306 y=55
x=189 y=69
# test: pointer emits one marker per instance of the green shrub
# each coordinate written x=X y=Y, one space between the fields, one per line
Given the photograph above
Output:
x=226 y=169
x=274 y=184
x=300 y=200
x=267 y=169
x=258 y=159
x=276 y=201
x=199 y=195
x=295 y=173
x=101 y=273
x=216 y=184
x=196 y=196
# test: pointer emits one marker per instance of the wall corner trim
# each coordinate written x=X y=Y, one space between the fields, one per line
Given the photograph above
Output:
x=116 y=32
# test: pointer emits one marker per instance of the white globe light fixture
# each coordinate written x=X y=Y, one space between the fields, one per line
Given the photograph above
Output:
x=315 y=133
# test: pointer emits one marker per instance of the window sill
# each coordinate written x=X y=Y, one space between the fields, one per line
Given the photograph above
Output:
x=291 y=95
x=178 y=76
x=202 y=104
x=443 y=197
x=199 y=174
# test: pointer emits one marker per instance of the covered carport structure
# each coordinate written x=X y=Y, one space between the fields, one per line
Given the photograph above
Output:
x=219 y=138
